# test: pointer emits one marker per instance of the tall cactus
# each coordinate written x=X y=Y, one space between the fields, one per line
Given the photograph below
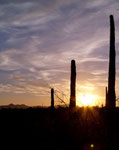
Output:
x=106 y=94
x=73 y=85
x=52 y=98
x=111 y=102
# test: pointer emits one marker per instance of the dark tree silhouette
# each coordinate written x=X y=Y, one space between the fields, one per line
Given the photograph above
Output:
x=111 y=102
x=73 y=85
x=52 y=98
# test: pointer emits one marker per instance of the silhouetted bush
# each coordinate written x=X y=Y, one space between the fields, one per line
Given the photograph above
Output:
x=68 y=129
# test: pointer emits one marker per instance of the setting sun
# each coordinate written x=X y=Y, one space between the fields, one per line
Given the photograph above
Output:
x=86 y=100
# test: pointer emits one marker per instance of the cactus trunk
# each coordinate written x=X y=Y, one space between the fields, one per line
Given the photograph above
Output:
x=111 y=102
x=73 y=85
x=106 y=94
x=52 y=98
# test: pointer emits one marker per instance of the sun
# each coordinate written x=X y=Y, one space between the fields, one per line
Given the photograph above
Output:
x=86 y=100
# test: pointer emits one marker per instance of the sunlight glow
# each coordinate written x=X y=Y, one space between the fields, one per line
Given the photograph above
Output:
x=92 y=146
x=86 y=100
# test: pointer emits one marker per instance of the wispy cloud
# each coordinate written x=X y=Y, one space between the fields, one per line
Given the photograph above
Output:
x=39 y=39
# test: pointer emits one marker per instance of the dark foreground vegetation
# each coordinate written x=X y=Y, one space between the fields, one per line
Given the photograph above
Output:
x=62 y=128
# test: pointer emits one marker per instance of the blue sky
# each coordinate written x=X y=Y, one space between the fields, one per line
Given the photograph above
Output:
x=38 y=40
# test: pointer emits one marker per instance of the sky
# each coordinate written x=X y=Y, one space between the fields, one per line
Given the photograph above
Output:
x=38 y=40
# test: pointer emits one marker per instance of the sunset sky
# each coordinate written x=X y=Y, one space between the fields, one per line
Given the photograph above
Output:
x=38 y=40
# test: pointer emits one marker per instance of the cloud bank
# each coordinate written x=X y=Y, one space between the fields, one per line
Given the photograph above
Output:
x=39 y=38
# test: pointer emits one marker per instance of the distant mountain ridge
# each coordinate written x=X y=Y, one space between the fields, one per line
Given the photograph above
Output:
x=13 y=106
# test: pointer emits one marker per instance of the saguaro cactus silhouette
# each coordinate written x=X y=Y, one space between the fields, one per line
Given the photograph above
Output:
x=106 y=94
x=111 y=102
x=52 y=98
x=73 y=85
